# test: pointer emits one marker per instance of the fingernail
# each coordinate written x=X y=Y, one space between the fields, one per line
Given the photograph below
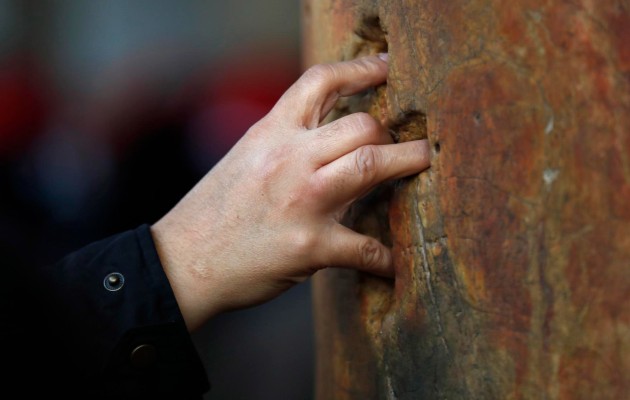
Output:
x=383 y=56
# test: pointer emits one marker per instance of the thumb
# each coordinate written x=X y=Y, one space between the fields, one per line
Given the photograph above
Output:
x=350 y=249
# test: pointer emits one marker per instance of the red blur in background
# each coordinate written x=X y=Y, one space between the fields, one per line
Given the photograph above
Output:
x=111 y=111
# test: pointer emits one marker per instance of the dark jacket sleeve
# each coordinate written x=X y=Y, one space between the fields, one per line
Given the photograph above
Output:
x=104 y=323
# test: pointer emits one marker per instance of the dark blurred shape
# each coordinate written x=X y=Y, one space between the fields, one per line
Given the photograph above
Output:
x=111 y=111
x=238 y=92
x=23 y=106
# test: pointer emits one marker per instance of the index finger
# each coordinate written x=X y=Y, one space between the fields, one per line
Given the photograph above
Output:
x=354 y=174
x=313 y=95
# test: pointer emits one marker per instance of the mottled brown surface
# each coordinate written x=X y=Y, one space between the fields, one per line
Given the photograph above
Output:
x=513 y=250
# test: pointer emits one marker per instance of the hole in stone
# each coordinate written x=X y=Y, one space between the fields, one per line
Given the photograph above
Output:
x=437 y=147
x=411 y=125
x=372 y=37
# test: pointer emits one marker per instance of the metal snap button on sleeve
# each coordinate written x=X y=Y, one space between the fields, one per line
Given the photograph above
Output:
x=143 y=356
x=114 y=281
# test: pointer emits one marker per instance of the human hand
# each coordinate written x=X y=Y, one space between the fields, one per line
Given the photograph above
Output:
x=267 y=216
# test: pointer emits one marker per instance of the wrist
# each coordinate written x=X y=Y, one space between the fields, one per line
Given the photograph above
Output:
x=176 y=249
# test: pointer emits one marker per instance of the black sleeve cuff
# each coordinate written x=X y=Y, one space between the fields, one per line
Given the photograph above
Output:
x=112 y=309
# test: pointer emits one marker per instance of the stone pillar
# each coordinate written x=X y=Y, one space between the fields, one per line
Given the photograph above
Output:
x=513 y=250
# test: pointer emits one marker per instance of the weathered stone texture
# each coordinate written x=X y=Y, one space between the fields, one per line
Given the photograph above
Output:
x=513 y=250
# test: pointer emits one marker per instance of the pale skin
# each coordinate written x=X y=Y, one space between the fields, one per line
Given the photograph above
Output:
x=267 y=216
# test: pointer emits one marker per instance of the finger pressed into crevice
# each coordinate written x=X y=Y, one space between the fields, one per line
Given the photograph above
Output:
x=349 y=249
x=314 y=94
x=342 y=136
x=354 y=174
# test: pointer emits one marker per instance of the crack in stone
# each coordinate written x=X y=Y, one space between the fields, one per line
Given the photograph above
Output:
x=427 y=273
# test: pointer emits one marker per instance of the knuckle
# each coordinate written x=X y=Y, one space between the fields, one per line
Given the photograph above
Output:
x=261 y=128
x=370 y=253
x=365 y=123
x=319 y=74
x=318 y=187
x=360 y=124
x=305 y=242
x=366 y=161
x=364 y=65
x=331 y=131
x=272 y=163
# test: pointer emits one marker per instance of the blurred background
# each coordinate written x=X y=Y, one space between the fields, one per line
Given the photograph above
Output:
x=111 y=110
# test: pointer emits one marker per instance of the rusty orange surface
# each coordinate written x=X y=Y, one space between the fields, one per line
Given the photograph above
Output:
x=512 y=251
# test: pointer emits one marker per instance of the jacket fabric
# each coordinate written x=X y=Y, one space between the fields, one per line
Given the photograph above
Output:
x=102 y=323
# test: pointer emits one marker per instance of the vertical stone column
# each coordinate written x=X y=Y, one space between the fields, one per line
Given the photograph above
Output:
x=513 y=251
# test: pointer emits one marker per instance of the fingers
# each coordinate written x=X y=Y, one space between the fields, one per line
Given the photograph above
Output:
x=350 y=249
x=345 y=134
x=314 y=94
x=354 y=174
